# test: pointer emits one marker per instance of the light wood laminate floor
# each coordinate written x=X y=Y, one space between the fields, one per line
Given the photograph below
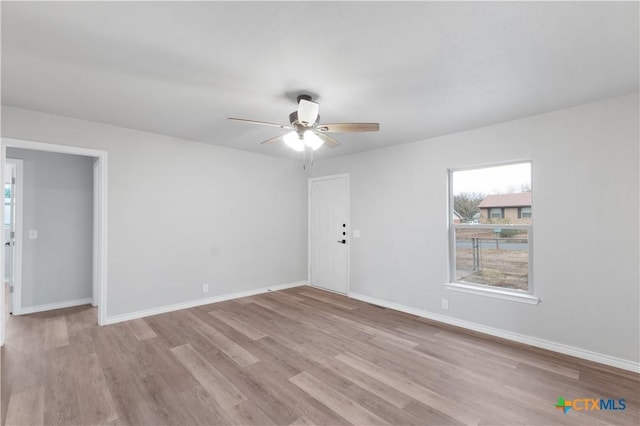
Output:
x=299 y=356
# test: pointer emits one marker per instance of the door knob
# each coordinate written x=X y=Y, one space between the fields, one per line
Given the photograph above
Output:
x=342 y=241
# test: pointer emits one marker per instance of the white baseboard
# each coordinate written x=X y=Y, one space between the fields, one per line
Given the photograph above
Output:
x=51 y=306
x=509 y=335
x=198 y=302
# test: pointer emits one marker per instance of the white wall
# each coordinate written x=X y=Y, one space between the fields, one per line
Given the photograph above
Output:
x=241 y=220
x=57 y=196
x=183 y=213
x=585 y=195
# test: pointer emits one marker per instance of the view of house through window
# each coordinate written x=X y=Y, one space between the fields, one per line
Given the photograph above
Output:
x=491 y=217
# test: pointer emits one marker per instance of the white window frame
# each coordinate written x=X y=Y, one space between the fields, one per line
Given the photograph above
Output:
x=483 y=289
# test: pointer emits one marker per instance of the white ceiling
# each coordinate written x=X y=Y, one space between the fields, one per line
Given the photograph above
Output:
x=421 y=69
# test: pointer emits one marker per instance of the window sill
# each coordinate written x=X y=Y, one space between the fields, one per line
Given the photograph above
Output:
x=493 y=292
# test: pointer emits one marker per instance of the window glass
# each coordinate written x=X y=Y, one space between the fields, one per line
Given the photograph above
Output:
x=495 y=213
x=494 y=251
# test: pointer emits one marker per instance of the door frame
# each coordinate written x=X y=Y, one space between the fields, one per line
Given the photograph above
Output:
x=309 y=242
x=97 y=250
x=99 y=185
x=16 y=296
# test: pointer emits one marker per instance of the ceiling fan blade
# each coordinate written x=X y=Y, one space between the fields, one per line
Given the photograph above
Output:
x=272 y=140
x=262 y=123
x=328 y=140
x=308 y=112
x=348 y=127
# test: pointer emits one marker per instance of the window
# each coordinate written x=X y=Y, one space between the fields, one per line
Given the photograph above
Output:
x=495 y=213
x=491 y=255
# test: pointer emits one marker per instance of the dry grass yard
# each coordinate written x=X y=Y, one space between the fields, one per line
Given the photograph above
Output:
x=500 y=268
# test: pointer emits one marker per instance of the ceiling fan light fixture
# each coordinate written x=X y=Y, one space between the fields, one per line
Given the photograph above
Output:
x=307 y=111
x=312 y=140
x=293 y=140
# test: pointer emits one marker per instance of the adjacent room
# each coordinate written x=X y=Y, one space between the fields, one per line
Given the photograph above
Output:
x=320 y=213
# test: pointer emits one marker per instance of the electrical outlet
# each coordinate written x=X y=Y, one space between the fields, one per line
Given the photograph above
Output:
x=205 y=288
x=445 y=304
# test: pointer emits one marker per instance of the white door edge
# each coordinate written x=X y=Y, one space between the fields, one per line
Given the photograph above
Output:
x=16 y=297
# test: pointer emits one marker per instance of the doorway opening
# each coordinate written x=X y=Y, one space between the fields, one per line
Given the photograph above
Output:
x=91 y=227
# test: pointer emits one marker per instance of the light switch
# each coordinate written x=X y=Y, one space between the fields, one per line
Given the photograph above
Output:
x=356 y=233
x=33 y=234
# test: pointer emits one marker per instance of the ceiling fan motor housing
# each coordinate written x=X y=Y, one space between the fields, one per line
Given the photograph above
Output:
x=305 y=97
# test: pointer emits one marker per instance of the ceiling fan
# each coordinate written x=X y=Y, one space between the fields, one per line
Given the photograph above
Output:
x=306 y=130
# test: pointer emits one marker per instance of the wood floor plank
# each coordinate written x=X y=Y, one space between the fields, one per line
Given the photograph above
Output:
x=328 y=299
x=265 y=385
x=408 y=387
x=61 y=405
x=298 y=356
x=302 y=421
x=203 y=407
x=276 y=369
x=554 y=368
x=249 y=414
x=130 y=399
x=272 y=323
x=79 y=326
x=235 y=351
x=166 y=365
x=224 y=393
x=377 y=332
x=368 y=383
x=22 y=369
x=95 y=402
x=56 y=332
x=233 y=321
x=141 y=329
x=26 y=407
x=163 y=401
x=336 y=401
x=168 y=330
x=429 y=415
x=316 y=320
x=126 y=352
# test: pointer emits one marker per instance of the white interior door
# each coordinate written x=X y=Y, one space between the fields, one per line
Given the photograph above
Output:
x=329 y=232
x=9 y=228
